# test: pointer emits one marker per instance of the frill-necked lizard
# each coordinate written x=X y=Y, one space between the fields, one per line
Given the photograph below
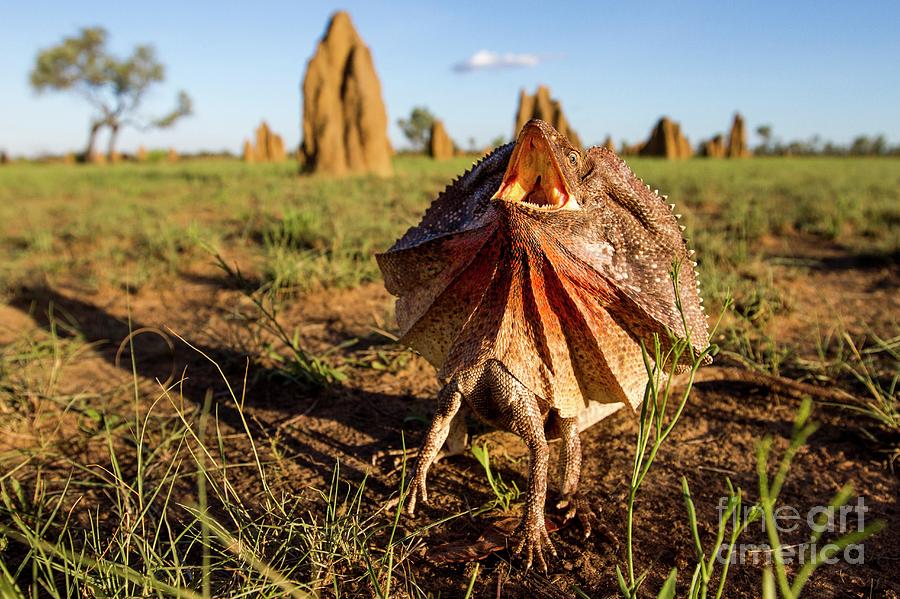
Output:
x=529 y=284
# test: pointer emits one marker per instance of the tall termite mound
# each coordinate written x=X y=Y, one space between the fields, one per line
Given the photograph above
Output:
x=667 y=141
x=714 y=147
x=344 y=118
x=737 y=138
x=269 y=146
x=440 y=146
x=736 y=145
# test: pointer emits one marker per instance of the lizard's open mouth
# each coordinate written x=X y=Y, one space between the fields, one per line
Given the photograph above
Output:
x=534 y=178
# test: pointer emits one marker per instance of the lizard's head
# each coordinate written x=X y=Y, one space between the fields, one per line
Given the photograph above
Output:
x=544 y=170
x=591 y=193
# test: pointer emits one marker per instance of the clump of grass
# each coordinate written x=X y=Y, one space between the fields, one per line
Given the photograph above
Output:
x=504 y=494
x=298 y=229
x=755 y=350
x=870 y=366
x=291 y=271
x=390 y=359
x=303 y=250
x=882 y=402
x=299 y=365
x=706 y=559
x=876 y=369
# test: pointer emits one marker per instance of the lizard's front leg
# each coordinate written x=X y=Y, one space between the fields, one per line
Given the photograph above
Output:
x=569 y=474
x=449 y=400
x=528 y=423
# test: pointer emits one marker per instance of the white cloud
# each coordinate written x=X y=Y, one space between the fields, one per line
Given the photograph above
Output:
x=486 y=59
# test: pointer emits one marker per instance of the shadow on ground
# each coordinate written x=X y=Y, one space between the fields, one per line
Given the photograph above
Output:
x=316 y=426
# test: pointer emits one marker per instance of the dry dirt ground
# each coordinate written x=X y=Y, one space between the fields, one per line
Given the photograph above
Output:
x=373 y=408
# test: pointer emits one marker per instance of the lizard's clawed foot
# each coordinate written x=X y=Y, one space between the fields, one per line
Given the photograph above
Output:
x=577 y=506
x=417 y=493
x=533 y=537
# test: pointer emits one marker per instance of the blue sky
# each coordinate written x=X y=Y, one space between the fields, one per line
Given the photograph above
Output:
x=804 y=67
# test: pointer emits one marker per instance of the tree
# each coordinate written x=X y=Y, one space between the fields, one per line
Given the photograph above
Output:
x=114 y=87
x=765 y=132
x=863 y=145
x=417 y=127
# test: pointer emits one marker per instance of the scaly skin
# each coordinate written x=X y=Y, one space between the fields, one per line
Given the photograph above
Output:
x=502 y=401
x=530 y=284
x=499 y=399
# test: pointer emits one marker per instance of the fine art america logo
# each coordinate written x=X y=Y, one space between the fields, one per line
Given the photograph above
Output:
x=818 y=520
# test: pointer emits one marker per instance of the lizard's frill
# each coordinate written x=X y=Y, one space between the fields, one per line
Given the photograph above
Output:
x=509 y=291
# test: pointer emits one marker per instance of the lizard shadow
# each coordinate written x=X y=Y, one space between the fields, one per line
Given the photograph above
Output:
x=885 y=264
x=315 y=427
x=859 y=261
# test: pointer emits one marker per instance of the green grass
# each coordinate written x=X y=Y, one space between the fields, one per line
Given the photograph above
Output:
x=504 y=494
x=136 y=223
x=851 y=201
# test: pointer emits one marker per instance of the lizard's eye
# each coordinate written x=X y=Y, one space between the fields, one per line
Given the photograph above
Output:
x=573 y=158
